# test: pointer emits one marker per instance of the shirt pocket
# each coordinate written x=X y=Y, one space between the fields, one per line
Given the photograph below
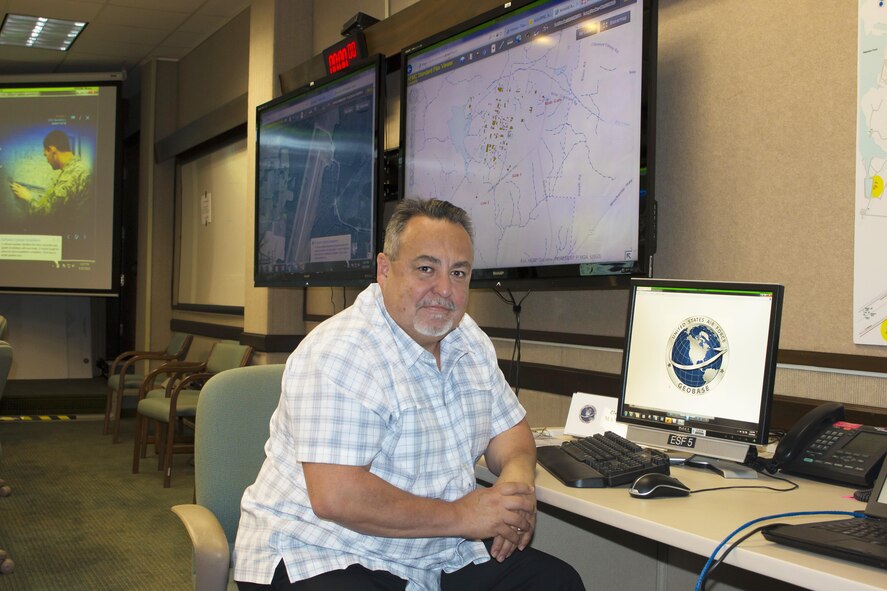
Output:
x=472 y=394
x=427 y=454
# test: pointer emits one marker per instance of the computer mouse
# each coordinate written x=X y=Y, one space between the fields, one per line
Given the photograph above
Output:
x=654 y=485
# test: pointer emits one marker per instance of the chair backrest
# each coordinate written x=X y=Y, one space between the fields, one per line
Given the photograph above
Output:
x=5 y=364
x=179 y=344
x=4 y=328
x=233 y=413
x=228 y=355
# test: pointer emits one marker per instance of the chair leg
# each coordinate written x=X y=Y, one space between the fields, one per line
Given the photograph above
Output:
x=168 y=449
x=160 y=431
x=158 y=439
x=107 y=423
x=140 y=443
x=119 y=397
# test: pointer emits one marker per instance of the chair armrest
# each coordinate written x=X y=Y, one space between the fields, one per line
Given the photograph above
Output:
x=190 y=379
x=130 y=358
x=121 y=359
x=172 y=390
x=176 y=369
x=211 y=554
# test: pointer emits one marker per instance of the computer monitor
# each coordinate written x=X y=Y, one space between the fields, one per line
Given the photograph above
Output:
x=699 y=365
x=537 y=119
x=318 y=157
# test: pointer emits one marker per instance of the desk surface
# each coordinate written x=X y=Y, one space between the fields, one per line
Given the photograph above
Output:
x=698 y=523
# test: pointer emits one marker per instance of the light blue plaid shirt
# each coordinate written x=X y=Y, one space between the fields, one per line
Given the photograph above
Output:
x=359 y=391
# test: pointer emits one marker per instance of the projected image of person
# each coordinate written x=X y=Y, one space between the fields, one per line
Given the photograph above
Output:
x=69 y=191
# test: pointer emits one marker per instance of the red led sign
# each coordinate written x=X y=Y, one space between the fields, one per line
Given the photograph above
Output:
x=339 y=56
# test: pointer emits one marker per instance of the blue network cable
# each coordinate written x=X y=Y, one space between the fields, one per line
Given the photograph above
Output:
x=700 y=582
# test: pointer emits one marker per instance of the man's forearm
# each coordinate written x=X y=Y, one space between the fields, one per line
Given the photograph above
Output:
x=359 y=500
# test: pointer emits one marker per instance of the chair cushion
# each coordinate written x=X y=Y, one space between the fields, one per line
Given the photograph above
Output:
x=133 y=381
x=157 y=408
x=159 y=392
x=156 y=393
x=225 y=355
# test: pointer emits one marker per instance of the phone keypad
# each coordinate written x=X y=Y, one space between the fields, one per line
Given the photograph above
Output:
x=838 y=459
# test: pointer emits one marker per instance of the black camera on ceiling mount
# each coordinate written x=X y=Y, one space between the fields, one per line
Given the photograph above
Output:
x=358 y=22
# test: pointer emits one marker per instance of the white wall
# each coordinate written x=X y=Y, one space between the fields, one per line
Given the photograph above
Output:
x=51 y=336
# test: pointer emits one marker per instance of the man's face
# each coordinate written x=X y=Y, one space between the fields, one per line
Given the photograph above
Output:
x=426 y=289
x=51 y=154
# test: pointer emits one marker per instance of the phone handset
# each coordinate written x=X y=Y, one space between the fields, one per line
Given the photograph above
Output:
x=805 y=432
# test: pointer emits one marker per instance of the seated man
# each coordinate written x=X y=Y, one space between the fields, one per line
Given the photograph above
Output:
x=386 y=407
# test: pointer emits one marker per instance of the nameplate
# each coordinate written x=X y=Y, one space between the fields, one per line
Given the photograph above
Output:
x=591 y=413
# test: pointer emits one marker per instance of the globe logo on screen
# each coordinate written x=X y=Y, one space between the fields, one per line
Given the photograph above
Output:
x=697 y=355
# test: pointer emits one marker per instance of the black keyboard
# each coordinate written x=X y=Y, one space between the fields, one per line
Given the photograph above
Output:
x=601 y=460
x=870 y=530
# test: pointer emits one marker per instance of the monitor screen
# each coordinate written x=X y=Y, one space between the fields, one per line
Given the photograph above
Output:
x=700 y=361
x=536 y=118
x=59 y=163
x=317 y=178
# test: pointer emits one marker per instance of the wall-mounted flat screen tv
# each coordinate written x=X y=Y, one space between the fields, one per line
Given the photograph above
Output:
x=537 y=118
x=317 y=181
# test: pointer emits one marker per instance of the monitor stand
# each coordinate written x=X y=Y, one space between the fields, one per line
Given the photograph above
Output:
x=726 y=468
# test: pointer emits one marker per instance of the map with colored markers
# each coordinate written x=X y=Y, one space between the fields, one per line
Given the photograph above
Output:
x=534 y=129
x=870 y=281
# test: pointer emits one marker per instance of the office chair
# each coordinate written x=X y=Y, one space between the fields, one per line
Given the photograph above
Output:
x=6 y=563
x=122 y=381
x=232 y=427
x=169 y=405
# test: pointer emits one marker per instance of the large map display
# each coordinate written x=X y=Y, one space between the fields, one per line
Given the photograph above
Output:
x=870 y=206
x=533 y=126
x=316 y=173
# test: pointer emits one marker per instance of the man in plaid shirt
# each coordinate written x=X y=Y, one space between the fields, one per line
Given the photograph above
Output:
x=369 y=479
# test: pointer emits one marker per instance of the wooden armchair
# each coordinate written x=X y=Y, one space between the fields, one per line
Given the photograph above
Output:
x=170 y=404
x=123 y=381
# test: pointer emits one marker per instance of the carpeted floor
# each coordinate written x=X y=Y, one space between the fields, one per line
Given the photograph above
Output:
x=79 y=519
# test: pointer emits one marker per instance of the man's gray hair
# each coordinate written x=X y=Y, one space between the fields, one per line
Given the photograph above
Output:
x=435 y=209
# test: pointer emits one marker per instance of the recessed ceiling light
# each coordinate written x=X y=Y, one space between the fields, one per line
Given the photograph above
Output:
x=41 y=32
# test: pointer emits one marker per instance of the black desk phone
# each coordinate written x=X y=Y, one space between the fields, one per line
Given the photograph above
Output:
x=824 y=447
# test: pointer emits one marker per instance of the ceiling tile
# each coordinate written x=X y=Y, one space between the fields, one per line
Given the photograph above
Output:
x=116 y=53
x=120 y=32
x=171 y=5
x=184 y=39
x=226 y=8
x=203 y=24
x=76 y=10
x=92 y=62
x=123 y=34
x=27 y=67
x=168 y=52
x=143 y=17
